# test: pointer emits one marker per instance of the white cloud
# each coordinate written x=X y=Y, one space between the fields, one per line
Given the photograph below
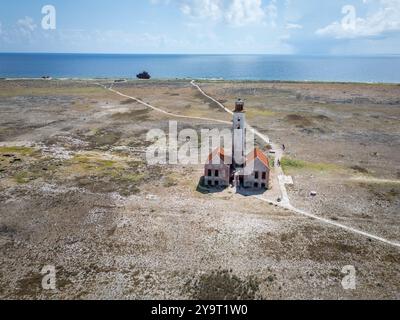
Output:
x=243 y=12
x=233 y=12
x=290 y=26
x=26 y=25
x=159 y=1
x=272 y=13
x=204 y=9
x=386 y=19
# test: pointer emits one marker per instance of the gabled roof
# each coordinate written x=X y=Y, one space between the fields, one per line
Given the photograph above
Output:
x=258 y=154
x=219 y=152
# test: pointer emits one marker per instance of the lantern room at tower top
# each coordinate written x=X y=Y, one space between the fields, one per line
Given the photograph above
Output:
x=239 y=106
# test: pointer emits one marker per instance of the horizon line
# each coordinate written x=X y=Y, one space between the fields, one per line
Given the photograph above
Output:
x=205 y=54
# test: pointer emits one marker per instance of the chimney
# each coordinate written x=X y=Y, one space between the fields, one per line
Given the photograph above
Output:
x=239 y=105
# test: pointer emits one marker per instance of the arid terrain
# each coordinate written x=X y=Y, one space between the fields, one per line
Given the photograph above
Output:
x=77 y=193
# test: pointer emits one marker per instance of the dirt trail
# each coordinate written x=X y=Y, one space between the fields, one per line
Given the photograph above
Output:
x=161 y=110
x=285 y=203
x=256 y=132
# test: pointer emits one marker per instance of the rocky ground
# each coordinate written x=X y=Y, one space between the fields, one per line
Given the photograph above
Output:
x=76 y=192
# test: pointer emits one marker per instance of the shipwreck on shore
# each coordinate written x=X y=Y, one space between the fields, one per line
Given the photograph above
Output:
x=144 y=75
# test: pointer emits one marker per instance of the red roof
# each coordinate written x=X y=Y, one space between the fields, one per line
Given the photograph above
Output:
x=258 y=154
x=219 y=152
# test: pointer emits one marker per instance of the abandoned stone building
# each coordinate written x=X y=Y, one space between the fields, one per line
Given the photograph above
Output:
x=238 y=169
x=218 y=169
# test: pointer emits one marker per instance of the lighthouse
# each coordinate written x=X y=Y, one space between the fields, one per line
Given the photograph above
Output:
x=239 y=135
x=242 y=170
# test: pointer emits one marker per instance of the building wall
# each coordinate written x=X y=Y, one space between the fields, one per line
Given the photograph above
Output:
x=223 y=175
x=250 y=179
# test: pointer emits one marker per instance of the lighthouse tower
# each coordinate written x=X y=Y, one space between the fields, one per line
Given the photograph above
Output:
x=239 y=134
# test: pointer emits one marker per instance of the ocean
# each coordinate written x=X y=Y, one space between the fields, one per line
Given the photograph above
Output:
x=372 y=69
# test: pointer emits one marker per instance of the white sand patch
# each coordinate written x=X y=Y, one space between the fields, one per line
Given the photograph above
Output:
x=26 y=144
x=374 y=180
x=56 y=152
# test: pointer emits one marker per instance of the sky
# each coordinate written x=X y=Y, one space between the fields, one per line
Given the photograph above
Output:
x=330 y=27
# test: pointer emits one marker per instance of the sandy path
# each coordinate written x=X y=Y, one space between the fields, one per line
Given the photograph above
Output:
x=285 y=203
x=161 y=110
x=256 y=132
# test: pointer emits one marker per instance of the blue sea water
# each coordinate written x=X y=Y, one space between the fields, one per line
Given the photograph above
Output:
x=229 y=67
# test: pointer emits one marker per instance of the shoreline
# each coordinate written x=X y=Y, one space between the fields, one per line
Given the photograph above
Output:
x=200 y=80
